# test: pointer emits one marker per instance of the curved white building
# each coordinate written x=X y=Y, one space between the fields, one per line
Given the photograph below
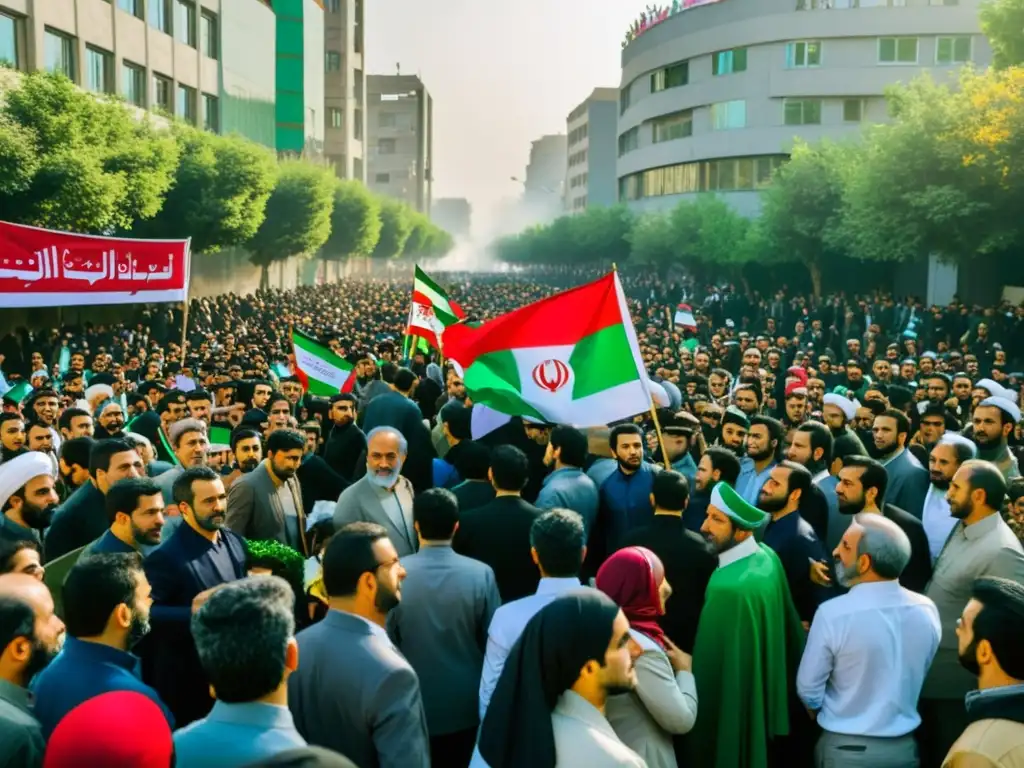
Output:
x=712 y=97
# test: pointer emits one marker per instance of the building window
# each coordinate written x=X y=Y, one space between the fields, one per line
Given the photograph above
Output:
x=357 y=127
x=160 y=15
x=897 y=50
x=60 y=53
x=726 y=175
x=335 y=117
x=98 y=66
x=673 y=127
x=333 y=6
x=186 y=104
x=629 y=141
x=357 y=24
x=162 y=94
x=803 y=112
x=728 y=62
x=185 y=22
x=382 y=178
x=133 y=7
x=853 y=110
x=803 y=54
x=9 y=50
x=333 y=61
x=133 y=83
x=208 y=40
x=386 y=120
x=211 y=113
x=670 y=77
x=953 y=50
x=728 y=114
x=624 y=96
x=357 y=77
x=385 y=146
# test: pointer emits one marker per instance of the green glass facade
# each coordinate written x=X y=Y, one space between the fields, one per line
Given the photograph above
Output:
x=248 y=30
x=299 y=75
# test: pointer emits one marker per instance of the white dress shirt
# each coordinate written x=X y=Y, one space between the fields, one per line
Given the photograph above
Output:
x=745 y=548
x=506 y=627
x=866 y=658
x=938 y=522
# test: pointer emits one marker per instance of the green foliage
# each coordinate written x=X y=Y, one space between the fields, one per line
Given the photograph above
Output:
x=355 y=222
x=298 y=214
x=1002 y=21
x=396 y=226
x=69 y=160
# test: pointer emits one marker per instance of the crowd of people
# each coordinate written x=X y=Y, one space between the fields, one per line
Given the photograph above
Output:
x=808 y=555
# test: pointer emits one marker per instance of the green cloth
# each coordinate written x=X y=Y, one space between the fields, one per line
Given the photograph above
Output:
x=748 y=646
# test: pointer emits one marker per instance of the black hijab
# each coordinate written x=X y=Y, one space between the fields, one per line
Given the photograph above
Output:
x=544 y=663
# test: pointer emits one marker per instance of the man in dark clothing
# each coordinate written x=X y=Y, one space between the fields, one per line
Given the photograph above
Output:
x=473 y=465
x=688 y=562
x=316 y=478
x=498 y=533
x=346 y=441
x=396 y=409
x=532 y=440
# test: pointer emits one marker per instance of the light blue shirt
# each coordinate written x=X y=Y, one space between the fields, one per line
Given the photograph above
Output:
x=748 y=484
x=570 y=488
x=237 y=735
x=866 y=658
x=506 y=627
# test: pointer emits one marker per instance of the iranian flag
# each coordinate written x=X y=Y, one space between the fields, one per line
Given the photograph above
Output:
x=432 y=310
x=569 y=359
x=320 y=370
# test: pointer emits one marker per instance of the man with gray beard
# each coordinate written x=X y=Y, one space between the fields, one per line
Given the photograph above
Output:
x=945 y=459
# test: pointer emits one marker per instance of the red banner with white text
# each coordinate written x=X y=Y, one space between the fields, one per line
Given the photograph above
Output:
x=45 y=268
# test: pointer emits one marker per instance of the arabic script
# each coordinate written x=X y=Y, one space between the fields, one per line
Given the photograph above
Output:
x=54 y=264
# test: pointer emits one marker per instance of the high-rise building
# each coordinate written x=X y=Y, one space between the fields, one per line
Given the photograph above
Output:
x=345 y=88
x=713 y=96
x=452 y=214
x=400 y=128
x=590 y=173
x=208 y=62
x=544 y=184
x=300 y=76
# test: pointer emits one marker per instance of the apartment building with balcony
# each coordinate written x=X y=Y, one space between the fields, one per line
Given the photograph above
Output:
x=400 y=120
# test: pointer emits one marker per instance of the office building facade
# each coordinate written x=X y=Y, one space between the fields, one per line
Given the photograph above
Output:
x=712 y=98
x=591 y=130
x=400 y=117
x=545 y=173
x=300 y=77
x=171 y=56
x=345 y=88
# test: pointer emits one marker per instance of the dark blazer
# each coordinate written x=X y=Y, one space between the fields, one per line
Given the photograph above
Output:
x=498 y=534
x=473 y=493
x=356 y=694
x=688 y=567
x=78 y=521
x=908 y=484
x=918 y=572
x=394 y=410
x=179 y=569
x=254 y=510
x=318 y=482
x=343 y=448
x=814 y=510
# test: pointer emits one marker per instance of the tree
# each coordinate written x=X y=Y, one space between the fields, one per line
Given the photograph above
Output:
x=396 y=225
x=653 y=241
x=1002 y=21
x=95 y=167
x=600 y=234
x=220 y=192
x=419 y=236
x=802 y=209
x=298 y=215
x=355 y=222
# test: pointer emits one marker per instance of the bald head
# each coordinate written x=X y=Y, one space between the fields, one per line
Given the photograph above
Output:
x=884 y=543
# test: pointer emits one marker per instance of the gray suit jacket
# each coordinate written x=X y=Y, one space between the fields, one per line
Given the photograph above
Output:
x=361 y=502
x=354 y=693
x=254 y=510
x=444 y=638
x=908 y=484
x=987 y=548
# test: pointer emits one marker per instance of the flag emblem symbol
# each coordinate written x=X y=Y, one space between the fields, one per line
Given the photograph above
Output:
x=551 y=375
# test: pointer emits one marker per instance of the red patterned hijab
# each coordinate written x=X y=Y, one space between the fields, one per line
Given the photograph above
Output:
x=631 y=577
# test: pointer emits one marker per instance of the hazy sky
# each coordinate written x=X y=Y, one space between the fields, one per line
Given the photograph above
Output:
x=501 y=74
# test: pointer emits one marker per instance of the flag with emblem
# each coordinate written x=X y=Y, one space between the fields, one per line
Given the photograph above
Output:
x=432 y=310
x=572 y=358
x=319 y=369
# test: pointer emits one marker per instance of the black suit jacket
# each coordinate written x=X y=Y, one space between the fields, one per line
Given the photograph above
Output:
x=472 y=494
x=178 y=570
x=689 y=565
x=394 y=410
x=318 y=482
x=814 y=510
x=918 y=572
x=342 y=451
x=498 y=534
x=78 y=521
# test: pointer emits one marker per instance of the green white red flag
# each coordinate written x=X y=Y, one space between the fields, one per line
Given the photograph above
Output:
x=321 y=371
x=432 y=310
x=572 y=358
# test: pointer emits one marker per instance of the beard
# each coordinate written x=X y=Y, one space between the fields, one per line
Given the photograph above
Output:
x=138 y=629
x=39 y=660
x=386 y=599
x=960 y=511
x=768 y=452
x=715 y=547
x=940 y=482
x=37 y=517
x=845 y=576
x=285 y=473
x=773 y=504
x=385 y=480
x=249 y=465
x=851 y=506
x=969 y=659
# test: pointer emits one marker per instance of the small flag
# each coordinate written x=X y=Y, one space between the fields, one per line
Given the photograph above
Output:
x=684 y=317
x=321 y=371
x=220 y=439
x=432 y=310
x=18 y=392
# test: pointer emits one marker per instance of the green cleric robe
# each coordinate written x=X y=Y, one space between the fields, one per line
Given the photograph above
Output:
x=748 y=647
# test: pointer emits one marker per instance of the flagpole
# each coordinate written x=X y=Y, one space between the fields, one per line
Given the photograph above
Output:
x=661 y=438
x=184 y=314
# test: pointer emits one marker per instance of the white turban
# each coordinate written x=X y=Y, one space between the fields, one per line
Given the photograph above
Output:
x=1003 y=404
x=99 y=389
x=847 y=406
x=17 y=472
x=954 y=438
x=994 y=388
